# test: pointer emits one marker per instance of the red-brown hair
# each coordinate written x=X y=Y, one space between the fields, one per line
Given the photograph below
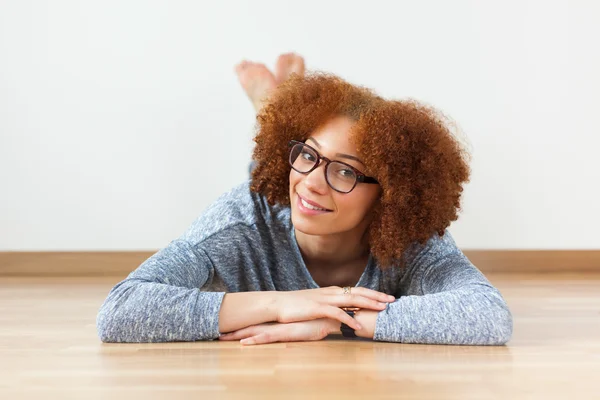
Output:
x=406 y=145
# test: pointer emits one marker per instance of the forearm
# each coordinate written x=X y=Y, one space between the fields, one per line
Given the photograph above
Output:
x=469 y=316
x=444 y=318
x=366 y=318
x=242 y=309
x=451 y=302
x=138 y=311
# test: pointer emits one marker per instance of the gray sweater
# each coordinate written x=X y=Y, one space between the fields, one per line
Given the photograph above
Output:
x=240 y=243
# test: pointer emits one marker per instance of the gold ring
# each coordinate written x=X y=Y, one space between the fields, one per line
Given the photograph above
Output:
x=347 y=289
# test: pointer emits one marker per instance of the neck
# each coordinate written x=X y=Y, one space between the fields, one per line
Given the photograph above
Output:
x=334 y=250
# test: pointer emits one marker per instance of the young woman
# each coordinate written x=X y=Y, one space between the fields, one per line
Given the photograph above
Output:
x=340 y=228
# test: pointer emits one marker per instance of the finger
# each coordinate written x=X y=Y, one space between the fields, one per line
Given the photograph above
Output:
x=365 y=292
x=340 y=315
x=261 y=338
x=354 y=300
x=240 y=334
x=227 y=336
x=372 y=294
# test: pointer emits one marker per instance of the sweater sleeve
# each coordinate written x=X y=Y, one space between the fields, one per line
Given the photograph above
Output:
x=161 y=300
x=448 y=301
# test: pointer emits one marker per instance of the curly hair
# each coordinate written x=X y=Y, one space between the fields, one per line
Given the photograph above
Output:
x=406 y=145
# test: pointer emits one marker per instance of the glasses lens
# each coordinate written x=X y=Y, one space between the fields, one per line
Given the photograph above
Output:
x=341 y=177
x=302 y=158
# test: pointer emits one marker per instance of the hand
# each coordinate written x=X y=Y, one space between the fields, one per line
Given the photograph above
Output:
x=310 y=304
x=315 y=329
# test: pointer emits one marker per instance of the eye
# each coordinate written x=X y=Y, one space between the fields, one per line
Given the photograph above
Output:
x=346 y=172
x=307 y=156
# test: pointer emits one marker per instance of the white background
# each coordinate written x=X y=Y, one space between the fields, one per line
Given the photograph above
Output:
x=120 y=121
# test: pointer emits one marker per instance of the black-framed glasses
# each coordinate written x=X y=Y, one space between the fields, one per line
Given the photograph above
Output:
x=340 y=176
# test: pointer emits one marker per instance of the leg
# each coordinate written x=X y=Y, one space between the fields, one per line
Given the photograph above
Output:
x=251 y=167
x=287 y=64
x=258 y=82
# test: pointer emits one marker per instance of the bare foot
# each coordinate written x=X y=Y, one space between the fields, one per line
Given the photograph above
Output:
x=256 y=80
x=286 y=64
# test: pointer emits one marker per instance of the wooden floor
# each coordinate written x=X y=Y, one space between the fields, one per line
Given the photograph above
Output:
x=49 y=349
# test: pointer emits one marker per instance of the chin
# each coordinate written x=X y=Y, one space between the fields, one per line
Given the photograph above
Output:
x=315 y=228
x=309 y=230
x=308 y=227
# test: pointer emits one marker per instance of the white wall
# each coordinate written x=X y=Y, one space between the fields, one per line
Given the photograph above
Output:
x=112 y=112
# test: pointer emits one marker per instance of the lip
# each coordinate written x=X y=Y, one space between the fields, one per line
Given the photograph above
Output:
x=308 y=211
x=312 y=203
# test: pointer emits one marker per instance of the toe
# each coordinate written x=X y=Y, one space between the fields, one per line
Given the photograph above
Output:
x=241 y=65
x=287 y=64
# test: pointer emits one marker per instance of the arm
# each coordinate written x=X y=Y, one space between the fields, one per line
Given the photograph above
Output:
x=243 y=309
x=251 y=167
x=161 y=301
x=448 y=301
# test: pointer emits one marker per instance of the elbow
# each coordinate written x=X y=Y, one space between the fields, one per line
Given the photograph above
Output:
x=505 y=330
x=107 y=325
x=495 y=322
x=109 y=321
x=103 y=328
x=500 y=326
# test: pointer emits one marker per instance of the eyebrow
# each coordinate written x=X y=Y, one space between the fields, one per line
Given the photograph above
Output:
x=338 y=154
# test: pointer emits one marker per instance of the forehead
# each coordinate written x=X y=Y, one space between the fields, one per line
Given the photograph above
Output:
x=338 y=156
x=334 y=136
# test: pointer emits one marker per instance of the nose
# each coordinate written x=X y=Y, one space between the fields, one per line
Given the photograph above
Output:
x=315 y=179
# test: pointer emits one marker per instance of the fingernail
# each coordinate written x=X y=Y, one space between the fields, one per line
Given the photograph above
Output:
x=247 y=341
x=359 y=327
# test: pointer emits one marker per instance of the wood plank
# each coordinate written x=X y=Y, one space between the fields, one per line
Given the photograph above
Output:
x=49 y=348
x=121 y=263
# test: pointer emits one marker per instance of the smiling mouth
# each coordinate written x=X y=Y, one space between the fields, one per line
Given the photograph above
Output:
x=310 y=206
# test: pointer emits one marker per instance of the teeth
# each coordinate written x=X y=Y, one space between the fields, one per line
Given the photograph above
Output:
x=305 y=204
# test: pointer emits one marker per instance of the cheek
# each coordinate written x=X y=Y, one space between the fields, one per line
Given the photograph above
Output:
x=294 y=178
x=349 y=207
x=357 y=206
